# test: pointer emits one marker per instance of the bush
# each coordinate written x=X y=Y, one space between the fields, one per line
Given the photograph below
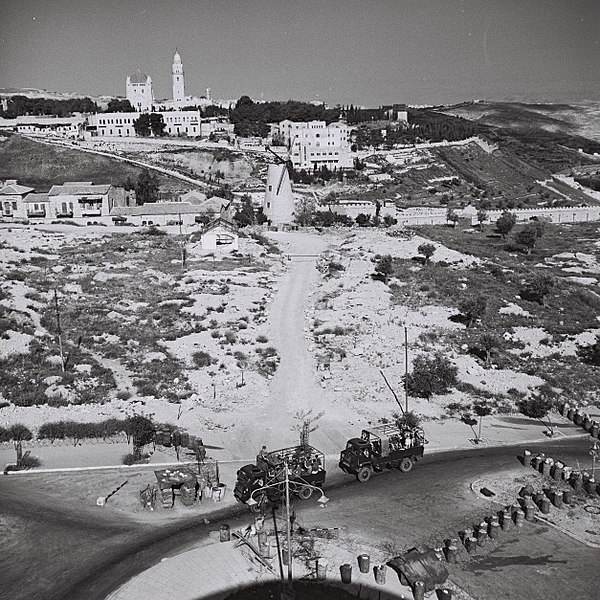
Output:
x=29 y=462
x=590 y=354
x=132 y=459
x=262 y=339
x=202 y=359
x=431 y=376
x=230 y=337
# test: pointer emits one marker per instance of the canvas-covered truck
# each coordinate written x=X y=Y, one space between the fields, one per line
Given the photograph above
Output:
x=264 y=481
x=382 y=446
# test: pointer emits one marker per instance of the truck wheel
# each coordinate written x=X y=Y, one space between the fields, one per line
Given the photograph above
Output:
x=406 y=464
x=364 y=474
x=304 y=493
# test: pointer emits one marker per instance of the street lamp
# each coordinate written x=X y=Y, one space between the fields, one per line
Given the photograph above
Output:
x=323 y=500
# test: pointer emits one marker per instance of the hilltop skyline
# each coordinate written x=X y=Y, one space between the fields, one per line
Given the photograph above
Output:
x=338 y=51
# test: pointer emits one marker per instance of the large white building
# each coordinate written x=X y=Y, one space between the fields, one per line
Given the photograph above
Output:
x=139 y=91
x=182 y=123
x=315 y=144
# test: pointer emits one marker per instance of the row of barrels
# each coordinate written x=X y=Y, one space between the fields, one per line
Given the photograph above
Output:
x=580 y=481
x=178 y=439
x=580 y=418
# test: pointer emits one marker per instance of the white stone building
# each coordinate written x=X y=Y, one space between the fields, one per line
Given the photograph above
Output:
x=315 y=144
x=139 y=91
x=184 y=123
x=12 y=198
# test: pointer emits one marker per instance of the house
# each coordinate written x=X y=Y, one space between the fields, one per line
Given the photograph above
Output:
x=37 y=206
x=192 y=197
x=222 y=232
x=12 y=198
x=161 y=213
x=82 y=199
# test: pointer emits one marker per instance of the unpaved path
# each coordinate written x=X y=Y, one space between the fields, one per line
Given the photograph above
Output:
x=294 y=387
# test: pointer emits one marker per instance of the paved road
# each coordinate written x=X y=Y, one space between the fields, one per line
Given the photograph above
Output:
x=73 y=556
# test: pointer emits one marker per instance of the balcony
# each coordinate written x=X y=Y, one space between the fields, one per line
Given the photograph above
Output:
x=41 y=212
x=64 y=215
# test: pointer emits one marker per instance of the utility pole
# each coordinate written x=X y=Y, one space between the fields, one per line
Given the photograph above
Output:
x=60 y=347
x=289 y=527
x=406 y=367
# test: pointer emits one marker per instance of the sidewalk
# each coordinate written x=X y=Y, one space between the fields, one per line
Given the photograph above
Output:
x=217 y=569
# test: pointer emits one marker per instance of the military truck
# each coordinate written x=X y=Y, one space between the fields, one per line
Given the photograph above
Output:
x=382 y=446
x=264 y=482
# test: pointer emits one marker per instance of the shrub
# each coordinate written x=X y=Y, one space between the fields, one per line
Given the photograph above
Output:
x=262 y=339
x=473 y=308
x=124 y=395
x=132 y=459
x=427 y=250
x=384 y=268
x=29 y=462
x=431 y=376
x=215 y=333
x=202 y=359
x=590 y=354
x=230 y=337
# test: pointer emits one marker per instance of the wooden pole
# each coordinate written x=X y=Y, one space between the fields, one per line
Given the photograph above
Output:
x=60 y=346
x=391 y=390
x=406 y=367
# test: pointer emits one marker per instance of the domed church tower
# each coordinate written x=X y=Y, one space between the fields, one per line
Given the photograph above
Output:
x=178 y=83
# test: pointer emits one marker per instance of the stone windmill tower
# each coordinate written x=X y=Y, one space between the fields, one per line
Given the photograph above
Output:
x=278 y=204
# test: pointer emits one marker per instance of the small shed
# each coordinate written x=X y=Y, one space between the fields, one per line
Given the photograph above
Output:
x=220 y=233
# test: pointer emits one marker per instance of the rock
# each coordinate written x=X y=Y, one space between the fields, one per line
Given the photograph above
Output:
x=83 y=368
x=51 y=380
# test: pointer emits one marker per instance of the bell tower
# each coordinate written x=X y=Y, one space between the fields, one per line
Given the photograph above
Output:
x=178 y=83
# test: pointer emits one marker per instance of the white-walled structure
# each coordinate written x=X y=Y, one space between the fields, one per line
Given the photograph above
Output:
x=315 y=144
x=186 y=123
x=278 y=204
x=11 y=198
x=139 y=91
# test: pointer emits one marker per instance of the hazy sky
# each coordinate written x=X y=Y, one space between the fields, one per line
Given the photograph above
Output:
x=367 y=52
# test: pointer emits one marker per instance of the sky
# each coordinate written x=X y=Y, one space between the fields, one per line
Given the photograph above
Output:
x=367 y=52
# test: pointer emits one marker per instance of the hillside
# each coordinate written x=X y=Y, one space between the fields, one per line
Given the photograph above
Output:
x=577 y=119
x=42 y=165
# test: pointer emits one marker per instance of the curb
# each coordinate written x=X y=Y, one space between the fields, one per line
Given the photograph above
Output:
x=566 y=532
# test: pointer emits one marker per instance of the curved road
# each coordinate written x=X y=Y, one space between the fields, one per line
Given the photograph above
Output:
x=66 y=555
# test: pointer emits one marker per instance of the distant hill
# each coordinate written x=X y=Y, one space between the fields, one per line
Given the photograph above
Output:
x=41 y=166
x=101 y=101
x=576 y=119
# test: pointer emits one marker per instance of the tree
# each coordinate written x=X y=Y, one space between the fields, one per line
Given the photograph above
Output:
x=539 y=405
x=119 y=105
x=431 y=376
x=142 y=125
x=408 y=419
x=157 y=124
x=141 y=432
x=147 y=189
x=384 y=268
x=306 y=426
x=245 y=215
x=538 y=288
x=505 y=223
x=452 y=216
x=527 y=237
x=473 y=308
x=362 y=220
x=304 y=212
x=482 y=217
x=489 y=342
x=590 y=354
x=481 y=409
x=17 y=433
x=427 y=250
